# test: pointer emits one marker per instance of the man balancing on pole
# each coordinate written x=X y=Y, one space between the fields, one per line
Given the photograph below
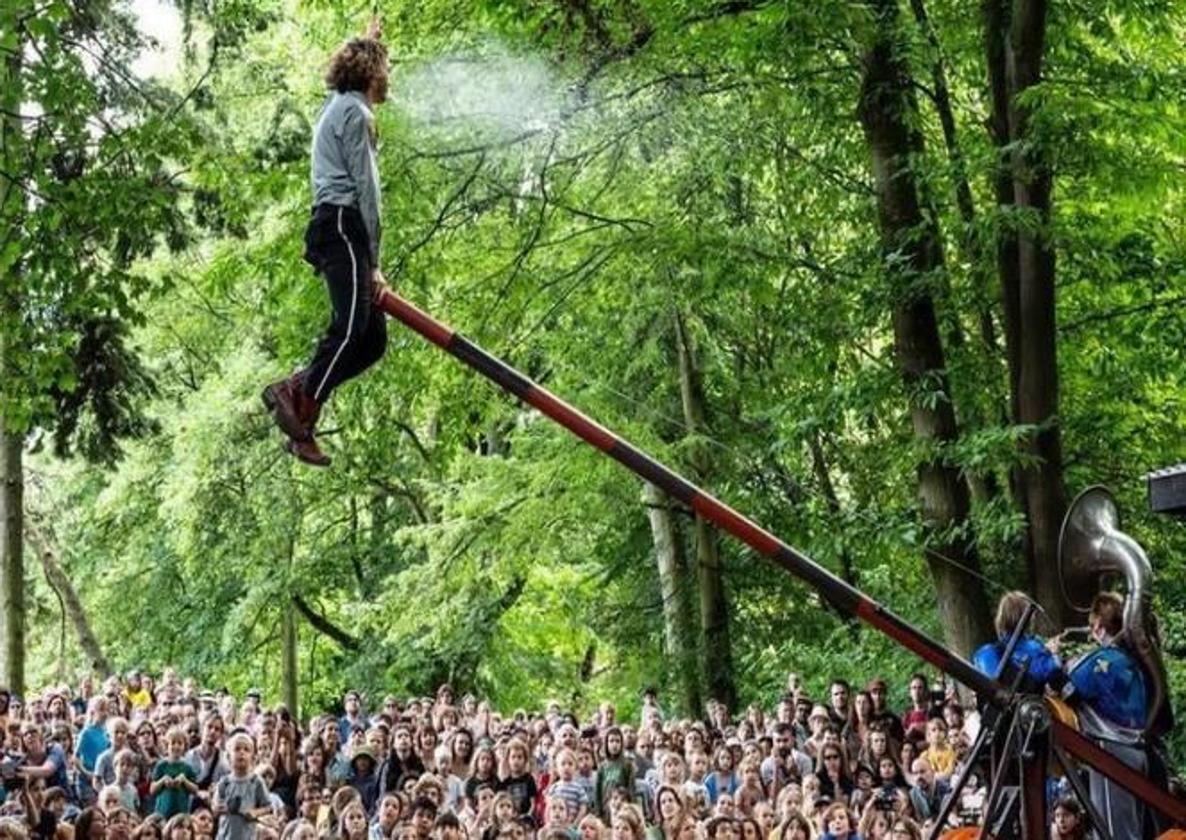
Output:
x=341 y=242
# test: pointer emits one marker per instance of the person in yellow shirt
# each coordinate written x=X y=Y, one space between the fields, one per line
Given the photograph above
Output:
x=939 y=752
x=137 y=692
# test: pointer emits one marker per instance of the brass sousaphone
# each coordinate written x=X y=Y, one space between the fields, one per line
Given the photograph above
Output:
x=1092 y=549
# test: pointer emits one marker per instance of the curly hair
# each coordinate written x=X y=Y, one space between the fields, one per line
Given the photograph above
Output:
x=356 y=64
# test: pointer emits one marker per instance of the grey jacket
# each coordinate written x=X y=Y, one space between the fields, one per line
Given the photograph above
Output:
x=344 y=169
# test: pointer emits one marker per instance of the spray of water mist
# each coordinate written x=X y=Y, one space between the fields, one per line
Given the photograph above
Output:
x=492 y=94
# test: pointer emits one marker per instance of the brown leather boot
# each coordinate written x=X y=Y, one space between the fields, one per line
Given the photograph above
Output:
x=283 y=399
x=308 y=451
x=308 y=411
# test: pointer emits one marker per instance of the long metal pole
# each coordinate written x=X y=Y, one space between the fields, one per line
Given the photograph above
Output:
x=834 y=589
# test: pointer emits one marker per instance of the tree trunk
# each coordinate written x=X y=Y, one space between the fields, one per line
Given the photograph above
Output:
x=39 y=540
x=888 y=113
x=288 y=656
x=959 y=173
x=1015 y=42
x=12 y=203
x=996 y=26
x=1037 y=379
x=12 y=561
x=714 y=604
x=679 y=626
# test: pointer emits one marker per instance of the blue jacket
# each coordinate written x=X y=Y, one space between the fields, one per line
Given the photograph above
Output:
x=1041 y=666
x=1110 y=680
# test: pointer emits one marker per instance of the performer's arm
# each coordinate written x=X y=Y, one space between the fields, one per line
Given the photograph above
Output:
x=360 y=161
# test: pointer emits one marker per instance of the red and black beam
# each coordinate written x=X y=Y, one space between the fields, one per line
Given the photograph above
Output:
x=834 y=589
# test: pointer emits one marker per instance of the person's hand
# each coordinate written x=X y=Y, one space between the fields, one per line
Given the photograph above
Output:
x=375 y=28
x=379 y=286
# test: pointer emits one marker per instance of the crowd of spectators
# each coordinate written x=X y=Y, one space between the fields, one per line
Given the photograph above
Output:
x=152 y=760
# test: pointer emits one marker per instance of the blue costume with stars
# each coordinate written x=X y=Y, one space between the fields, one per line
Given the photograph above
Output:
x=1109 y=690
x=1110 y=680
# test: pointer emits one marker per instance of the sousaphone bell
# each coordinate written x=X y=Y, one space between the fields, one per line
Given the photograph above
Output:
x=1092 y=550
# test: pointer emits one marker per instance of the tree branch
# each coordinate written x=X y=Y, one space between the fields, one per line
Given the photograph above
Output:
x=323 y=625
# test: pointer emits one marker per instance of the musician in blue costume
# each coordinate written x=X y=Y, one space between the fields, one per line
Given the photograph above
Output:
x=1041 y=666
x=1109 y=689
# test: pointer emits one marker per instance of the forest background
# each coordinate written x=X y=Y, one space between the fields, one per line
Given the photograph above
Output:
x=897 y=278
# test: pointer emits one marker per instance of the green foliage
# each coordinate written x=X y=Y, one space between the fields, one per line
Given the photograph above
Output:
x=703 y=161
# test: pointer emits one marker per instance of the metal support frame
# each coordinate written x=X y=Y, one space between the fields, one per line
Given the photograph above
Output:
x=844 y=596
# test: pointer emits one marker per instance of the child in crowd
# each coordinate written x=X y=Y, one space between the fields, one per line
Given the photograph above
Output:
x=126 y=766
x=565 y=784
x=838 y=823
x=587 y=772
x=939 y=752
x=352 y=824
x=1067 y=822
x=173 y=778
x=722 y=779
x=517 y=780
x=240 y=797
x=178 y=827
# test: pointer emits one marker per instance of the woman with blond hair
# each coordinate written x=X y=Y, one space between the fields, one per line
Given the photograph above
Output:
x=628 y=823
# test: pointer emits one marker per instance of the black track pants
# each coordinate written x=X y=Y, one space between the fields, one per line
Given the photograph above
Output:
x=336 y=245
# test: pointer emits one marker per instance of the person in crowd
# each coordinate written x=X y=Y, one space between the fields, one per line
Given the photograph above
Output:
x=47 y=762
x=423 y=817
x=352 y=822
x=838 y=823
x=337 y=760
x=401 y=762
x=565 y=785
x=914 y=721
x=178 y=827
x=928 y=791
x=875 y=822
x=117 y=739
x=832 y=772
x=386 y=819
x=939 y=752
x=883 y=717
x=1067 y=822
x=517 y=780
x=794 y=827
x=206 y=758
x=240 y=796
x=614 y=770
x=174 y=780
x=722 y=779
x=904 y=828
x=364 y=779
x=126 y=769
x=92 y=742
x=840 y=707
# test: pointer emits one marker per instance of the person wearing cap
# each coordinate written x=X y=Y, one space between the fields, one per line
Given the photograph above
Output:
x=818 y=722
x=878 y=690
x=363 y=777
